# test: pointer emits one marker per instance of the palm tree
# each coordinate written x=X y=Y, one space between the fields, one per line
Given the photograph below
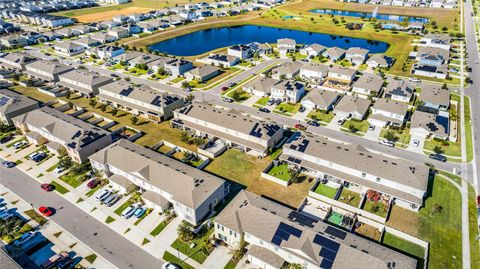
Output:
x=114 y=111
x=134 y=119
x=103 y=107
x=190 y=97
x=390 y=136
x=437 y=149
x=92 y=103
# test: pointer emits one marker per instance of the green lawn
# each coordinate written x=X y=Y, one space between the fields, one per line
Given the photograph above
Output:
x=402 y=136
x=320 y=115
x=360 y=126
x=282 y=172
x=59 y=188
x=349 y=197
x=52 y=167
x=177 y=79
x=120 y=209
x=109 y=220
x=262 y=101
x=404 y=246
x=376 y=208
x=71 y=179
x=239 y=95
x=159 y=228
x=92 y=191
x=442 y=229
x=197 y=253
x=472 y=219
x=449 y=148
x=91 y=258
x=35 y=216
x=325 y=190
x=137 y=71
x=468 y=129
x=288 y=108
x=169 y=257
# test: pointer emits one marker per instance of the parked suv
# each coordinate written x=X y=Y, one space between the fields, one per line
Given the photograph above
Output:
x=438 y=157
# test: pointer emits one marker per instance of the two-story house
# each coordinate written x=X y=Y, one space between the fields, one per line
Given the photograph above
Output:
x=84 y=82
x=388 y=112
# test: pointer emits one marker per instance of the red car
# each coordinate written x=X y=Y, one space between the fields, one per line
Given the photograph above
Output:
x=224 y=89
x=478 y=201
x=93 y=183
x=47 y=187
x=45 y=211
x=300 y=127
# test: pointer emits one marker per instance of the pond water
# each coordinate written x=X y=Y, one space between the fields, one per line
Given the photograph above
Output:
x=206 y=40
x=378 y=16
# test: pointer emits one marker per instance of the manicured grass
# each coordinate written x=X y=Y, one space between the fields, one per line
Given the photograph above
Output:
x=468 y=129
x=196 y=253
x=288 y=108
x=32 y=93
x=473 y=228
x=282 y=172
x=402 y=136
x=325 y=190
x=368 y=231
x=403 y=245
x=320 y=115
x=360 y=126
x=145 y=241
x=91 y=258
x=159 y=228
x=177 y=79
x=71 y=179
x=52 y=168
x=109 y=220
x=92 y=191
x=441 y=229
x=35 y=216
x=241 y=95
x=230 y=265
x=376 y=208
x=262 y=101
x=120 y=209
x=449 y=148
x=136 y=71
x=169 y=257
x=59 y=188
x=349 y=197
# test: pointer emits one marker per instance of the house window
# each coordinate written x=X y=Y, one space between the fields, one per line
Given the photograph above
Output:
x=364 y=174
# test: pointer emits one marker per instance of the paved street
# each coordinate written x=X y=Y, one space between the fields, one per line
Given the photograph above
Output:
x=106 y=242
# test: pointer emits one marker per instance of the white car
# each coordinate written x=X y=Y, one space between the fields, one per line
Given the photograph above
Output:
x=19 y=144
x=128 y=212
x=102 y=194
x=169 y=265
x=387 y=143
x=59 y=169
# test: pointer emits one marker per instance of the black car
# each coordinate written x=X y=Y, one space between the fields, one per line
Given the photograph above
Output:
x=39 y=157
x=438 y=157
x=8 y=164
x=5 y=139
x=265 y=110
x=313 y=123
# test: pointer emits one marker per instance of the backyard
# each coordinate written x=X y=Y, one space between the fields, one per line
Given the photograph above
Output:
x=349 y=197
x=320 y=115
x=325 y=190
x=281 y=171
x=404 y=246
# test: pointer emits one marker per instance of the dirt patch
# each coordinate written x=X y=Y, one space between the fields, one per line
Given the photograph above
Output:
x=108 y=15
x=368 y=231
x=404 y=220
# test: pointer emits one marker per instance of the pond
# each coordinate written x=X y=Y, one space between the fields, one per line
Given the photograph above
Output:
x=378 y=16
x=206 y=40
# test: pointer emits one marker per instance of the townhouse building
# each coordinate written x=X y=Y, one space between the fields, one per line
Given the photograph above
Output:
x=54 y=129
x=47 y=70
x=348 y=164
x=16 y=60
x=13 y=104
x=253 y=136
x=165 y=182
x=277 y=235
x=83 y=82
x=140 y=100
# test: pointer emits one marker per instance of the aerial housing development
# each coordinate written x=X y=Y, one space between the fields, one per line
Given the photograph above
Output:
x=239 y=134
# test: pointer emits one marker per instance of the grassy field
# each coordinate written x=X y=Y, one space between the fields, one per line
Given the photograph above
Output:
x=245 y=170
x=441 y=229
x=326 y=190
x=472 y=219
x=404 y=246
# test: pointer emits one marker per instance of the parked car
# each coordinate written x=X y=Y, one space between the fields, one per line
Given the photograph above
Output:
x=54 y=260
x=387 y=143
x=341 y=121
x=102 y=194
x=33 y=155
x=371 y=127
x=5 y=139
x=46 y=211
x=438 y=157
x=47 y=187
x=111 y=201
x=228 y=99
x=231 y=84
x=20 y=144
x=278 y=101
x=93 y=183
x=39 y=157
x=302 y=109
x=170 y=265
x=224 y=88
x=300 y=127
x=59 y=169
x=8 y=164
x=416 y=143
x=415 y=80
x=24 y=239
x=270 y=102
x=313 y=123
x=139 y=212
x=66 y=263
x=129 y=211
x=110 y=198
x=264 y=109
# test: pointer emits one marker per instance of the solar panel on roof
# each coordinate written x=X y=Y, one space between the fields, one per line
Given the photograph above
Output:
x=326 y=243
x=290 y=229
x=326 y=264
x=328 y=254
x=336 y=232
x=126 y=92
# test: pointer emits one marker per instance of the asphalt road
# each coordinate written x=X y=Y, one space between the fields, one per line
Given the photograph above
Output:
x=100 y=238
x=473 y=90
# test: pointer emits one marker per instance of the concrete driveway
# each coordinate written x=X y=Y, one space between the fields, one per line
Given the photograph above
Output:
x=373 y=135
x=419 y=148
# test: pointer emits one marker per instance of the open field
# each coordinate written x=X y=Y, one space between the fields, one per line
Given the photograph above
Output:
x=438 y=222
x=109 y=14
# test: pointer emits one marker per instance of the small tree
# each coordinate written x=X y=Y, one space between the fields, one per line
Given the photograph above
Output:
x=185 y=84
x=92 y=102
x=134 y=119
x=103 y=107
x=437 y=149
x=390 y=136
x=236 y=95
x=190 y=97
x=114 y=111
x=185 y=232
x=68 y=94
